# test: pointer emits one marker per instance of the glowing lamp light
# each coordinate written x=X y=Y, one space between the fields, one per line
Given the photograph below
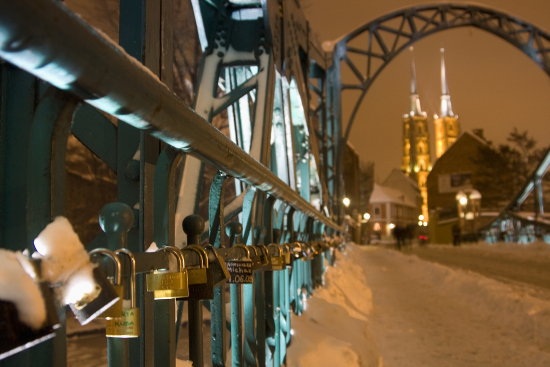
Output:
x=463 y=200
x=392 y=226
x=425 y=224
x=366 y=216
x=346 y=201
x=421 y=217
x=420 y=223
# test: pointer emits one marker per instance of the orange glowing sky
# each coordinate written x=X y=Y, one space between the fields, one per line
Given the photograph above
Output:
x=492 y=84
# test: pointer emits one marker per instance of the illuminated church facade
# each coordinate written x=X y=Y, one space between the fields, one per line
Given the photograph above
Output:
x=416 y=139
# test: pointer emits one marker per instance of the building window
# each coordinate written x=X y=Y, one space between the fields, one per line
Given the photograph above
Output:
x=376 y=211
x=376 y=226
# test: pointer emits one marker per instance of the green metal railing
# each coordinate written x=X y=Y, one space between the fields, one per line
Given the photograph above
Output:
x=58 y=73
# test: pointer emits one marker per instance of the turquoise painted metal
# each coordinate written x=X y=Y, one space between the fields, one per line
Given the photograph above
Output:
x=148 y=152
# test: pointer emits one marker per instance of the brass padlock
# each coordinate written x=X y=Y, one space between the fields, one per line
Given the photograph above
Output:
x=116 y=309
x=277 y=262
x=241 y=269
x=196 y=275
x=257 y=264
x=166 y=284
x=203 y=290
x=127 y=325
x=264 y=256
x=218 y=266
x=287 y=255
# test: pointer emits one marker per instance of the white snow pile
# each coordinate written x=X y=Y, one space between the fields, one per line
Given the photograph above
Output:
x=18 y=287
x=334 y=330
x=65 y=260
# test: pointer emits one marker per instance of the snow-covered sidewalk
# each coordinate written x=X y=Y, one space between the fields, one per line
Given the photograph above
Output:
x=384 y=308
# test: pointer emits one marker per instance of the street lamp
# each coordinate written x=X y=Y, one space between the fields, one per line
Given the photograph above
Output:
x=469 y=207
x=366 y=216
x=346 y=202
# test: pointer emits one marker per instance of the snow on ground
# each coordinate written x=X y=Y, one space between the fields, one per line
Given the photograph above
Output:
x=333 y=330
x=381 y=307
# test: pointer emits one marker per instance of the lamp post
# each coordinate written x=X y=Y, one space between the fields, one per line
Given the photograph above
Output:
x=469 y=208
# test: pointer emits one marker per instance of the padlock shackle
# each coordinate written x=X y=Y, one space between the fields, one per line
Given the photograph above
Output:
x=264 y=249
x=202 y=252
x=192 y=248
x=179 y=256
x=130 y=255
x=111 y=255
x=240 y=245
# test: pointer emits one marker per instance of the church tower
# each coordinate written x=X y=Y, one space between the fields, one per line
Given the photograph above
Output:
x=447 y=126
x=416 y=146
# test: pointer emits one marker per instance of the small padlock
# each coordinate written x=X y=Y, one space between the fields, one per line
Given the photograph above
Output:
x=277 y=262
x=240 y=270
x=264 y=256
x=257 y=263
x=218 y=266
x=287 y=254
x=202 y=290
x=166 y=284
x=127 y=325
x=196 y=275
x=116 y=309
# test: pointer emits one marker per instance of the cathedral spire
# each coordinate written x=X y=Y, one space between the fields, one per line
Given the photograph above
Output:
x=415 y=109
x=446 y=109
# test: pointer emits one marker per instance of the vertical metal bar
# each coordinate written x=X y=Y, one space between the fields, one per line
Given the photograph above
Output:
x=165 y=332
x=237 y=350
x=217 y=305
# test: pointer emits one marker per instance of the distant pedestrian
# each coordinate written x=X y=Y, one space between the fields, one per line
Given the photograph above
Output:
x=456 y=234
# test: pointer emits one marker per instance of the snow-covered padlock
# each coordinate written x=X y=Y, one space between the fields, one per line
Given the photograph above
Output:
x=127 y=325
x=28 y=315
x=116 y=309
x=96 y=302
x=166 y=284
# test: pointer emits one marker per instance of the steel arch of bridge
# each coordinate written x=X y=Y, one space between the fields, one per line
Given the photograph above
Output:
x=396 y=31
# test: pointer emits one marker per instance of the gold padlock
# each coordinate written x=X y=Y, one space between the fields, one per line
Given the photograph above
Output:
x=287 y=254
x=168 y=285
x=116 y=309
x=277 y=262
x=127 y=325
x=197 y=276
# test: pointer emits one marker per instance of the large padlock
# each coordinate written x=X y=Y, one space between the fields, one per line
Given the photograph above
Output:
x=127 y=325
x=201 y=290
x=277 y=262
x=218 y=266
x=116 y=309
x=166 y=284
x=240 y=270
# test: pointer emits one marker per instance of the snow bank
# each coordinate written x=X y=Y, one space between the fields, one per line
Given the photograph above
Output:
x=334 y=330
x=65 y=260
x=19 y=288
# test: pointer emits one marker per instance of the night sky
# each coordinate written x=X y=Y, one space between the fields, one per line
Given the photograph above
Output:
x=493 y=85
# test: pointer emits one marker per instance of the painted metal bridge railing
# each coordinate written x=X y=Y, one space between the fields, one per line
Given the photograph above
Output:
x=60 y=73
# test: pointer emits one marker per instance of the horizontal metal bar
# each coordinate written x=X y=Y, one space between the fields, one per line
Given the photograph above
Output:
x=148 y=261
x=47 y=40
